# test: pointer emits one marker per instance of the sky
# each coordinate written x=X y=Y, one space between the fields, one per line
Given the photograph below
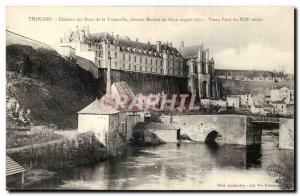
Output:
x=264 y=42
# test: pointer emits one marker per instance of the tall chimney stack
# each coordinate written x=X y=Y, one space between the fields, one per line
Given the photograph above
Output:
x=108 y=78
x=87 y=32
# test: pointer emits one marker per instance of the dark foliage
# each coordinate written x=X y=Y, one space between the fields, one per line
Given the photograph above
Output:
x=69 y=88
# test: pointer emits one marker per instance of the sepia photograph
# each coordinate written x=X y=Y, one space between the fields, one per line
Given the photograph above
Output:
x=150 y=98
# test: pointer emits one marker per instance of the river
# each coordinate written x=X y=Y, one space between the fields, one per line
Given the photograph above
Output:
x=190 y=166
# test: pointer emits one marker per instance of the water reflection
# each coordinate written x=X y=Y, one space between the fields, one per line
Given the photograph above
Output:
x=188 y=166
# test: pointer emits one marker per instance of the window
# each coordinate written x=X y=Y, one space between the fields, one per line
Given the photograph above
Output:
x=135 y=59
x=156 y=62
x=108 y=53
x=108 y=46
x=151 y=61
x=129 y=58
x=116 y=55
x=129 y=66
x=123 y=66
x=141 y=59
x=123 y=57
x=115 y=63
x=146 y=61
x=140 y=68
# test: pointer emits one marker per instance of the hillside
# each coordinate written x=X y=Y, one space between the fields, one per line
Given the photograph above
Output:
x=231 y=87
x=49 y=89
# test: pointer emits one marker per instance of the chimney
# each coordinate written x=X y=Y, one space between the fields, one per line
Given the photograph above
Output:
x=182 y=44
x=117 y=36
x=158 y=46
x=170 y=44
x=137 y=39
x=112 y=34
x=108 y=78
x=87 y=31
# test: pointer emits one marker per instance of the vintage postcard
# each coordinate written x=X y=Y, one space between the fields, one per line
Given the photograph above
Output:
x=150 y=98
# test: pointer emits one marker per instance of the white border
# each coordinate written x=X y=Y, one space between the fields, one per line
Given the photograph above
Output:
x=4 y=3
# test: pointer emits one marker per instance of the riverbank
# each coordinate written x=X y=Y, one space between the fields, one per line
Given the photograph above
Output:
x=36 y=176
x=83 y=149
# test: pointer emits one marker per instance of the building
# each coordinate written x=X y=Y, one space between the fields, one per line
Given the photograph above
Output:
x=233 y=101
x=249 y=75
x=121 y=89
x=283 y=94
x=279 y=107
x=262 y=109
x=246 y=99
x=201 y=80
x=122 y=53
x=14 y=173
x=100 y=119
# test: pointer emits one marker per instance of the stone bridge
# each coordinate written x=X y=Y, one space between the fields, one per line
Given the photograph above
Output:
x=233 y=129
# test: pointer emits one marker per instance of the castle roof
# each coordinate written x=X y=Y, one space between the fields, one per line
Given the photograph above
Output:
x=127 y=43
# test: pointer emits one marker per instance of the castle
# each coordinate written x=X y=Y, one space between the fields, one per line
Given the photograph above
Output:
x=161 y=65
x=201 y=80
x=126 y=54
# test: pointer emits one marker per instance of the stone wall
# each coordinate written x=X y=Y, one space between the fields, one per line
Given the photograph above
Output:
x=14 y=38
x=147 y=83
x=286 y=133
x=87 y=65
x=232 y=128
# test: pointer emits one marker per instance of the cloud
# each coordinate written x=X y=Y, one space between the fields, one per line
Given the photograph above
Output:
x=255 y=56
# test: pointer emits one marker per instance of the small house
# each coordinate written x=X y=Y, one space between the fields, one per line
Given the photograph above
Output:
x=99 y=118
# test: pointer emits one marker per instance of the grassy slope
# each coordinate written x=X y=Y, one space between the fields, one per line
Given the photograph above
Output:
x=51 y=87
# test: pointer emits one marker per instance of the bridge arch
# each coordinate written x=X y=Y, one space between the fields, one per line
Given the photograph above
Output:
x=211 y=136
